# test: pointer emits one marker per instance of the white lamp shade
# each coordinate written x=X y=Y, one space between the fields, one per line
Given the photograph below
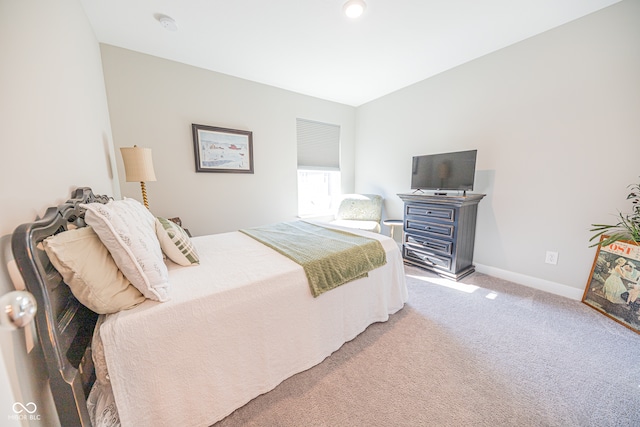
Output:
x=138 y=164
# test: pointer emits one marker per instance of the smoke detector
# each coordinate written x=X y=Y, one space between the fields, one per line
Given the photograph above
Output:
x=167 y=22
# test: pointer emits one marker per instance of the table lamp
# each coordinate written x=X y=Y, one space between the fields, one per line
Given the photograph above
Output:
x=138 y=167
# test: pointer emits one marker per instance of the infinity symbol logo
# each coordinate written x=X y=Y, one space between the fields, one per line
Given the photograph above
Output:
x=29 y=407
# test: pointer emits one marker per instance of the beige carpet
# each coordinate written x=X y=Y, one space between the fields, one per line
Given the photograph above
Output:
x=483 y=352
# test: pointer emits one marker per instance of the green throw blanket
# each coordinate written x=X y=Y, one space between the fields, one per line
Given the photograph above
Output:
x=329 y=257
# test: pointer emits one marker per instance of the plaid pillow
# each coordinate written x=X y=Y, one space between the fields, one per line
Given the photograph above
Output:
x=175 y=243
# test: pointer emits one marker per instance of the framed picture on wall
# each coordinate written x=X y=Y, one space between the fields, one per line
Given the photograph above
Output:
x=614 y=287
x=222 y=150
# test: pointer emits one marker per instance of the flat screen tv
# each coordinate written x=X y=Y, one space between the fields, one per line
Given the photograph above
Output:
x=444 y=172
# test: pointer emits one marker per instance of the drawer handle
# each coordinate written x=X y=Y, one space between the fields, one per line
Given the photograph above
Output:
x=424 y=258
x=428 y=244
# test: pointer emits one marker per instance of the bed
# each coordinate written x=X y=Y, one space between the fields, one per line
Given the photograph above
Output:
x=236 y=325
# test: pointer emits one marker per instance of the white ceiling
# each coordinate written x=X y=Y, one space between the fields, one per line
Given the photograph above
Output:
x=310 y=47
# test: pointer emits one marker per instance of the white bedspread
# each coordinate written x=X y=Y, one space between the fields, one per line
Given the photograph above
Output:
x=235 y=327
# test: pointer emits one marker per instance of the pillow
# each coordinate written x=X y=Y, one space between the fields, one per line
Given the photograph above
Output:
x=175 y=243
x=128 y=231
x=89 y=270
x=101 y=405
x=97 y=353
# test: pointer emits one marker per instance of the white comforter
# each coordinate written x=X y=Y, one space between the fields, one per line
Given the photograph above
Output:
x=236 y=326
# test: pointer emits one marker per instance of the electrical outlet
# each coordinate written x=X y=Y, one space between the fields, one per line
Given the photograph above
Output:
x=551 y=258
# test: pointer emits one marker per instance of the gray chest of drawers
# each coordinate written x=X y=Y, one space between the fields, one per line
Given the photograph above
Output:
x=439 y=232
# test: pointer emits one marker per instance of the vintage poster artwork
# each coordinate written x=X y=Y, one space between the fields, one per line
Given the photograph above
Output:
x=222 y=150
x=614 y=283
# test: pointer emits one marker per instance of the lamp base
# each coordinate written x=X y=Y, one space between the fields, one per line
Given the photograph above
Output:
x=145 y=201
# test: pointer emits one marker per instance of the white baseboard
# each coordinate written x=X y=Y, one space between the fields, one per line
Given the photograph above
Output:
x=532 y=282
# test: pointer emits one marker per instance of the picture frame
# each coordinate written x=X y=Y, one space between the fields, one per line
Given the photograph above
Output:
x=613 y=288
x=222 y=150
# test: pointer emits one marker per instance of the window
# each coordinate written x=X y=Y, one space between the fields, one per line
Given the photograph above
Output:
x=316 y=191
x=318 y=167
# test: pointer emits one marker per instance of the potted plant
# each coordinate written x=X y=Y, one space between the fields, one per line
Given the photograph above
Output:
x=628 y=228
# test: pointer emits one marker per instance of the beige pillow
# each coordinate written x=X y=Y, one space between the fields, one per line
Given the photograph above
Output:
x=175 y=243
x=128 y=230
x=87 y=267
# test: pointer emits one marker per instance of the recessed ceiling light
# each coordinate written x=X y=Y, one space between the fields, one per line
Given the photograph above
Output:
x=354 y=8
x=167 y=22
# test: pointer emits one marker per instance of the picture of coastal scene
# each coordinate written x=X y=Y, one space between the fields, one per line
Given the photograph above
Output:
x=223 y=150
x=614 y=283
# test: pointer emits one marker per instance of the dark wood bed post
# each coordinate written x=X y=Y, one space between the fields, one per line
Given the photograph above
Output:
x=64 y=326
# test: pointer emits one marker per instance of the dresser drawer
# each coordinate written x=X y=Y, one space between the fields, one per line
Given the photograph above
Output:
x=440 y=230
x=433 y=212
x=427 y=259
x=420 y=242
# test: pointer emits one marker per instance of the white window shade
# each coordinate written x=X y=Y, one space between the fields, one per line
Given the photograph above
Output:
x=318 y=145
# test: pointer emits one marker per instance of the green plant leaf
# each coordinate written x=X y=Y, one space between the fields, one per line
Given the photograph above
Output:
x=627 y=228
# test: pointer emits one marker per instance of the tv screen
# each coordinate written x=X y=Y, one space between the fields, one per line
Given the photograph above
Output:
x=445 y=171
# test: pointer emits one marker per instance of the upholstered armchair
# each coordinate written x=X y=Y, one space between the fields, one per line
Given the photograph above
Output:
x=362 y=211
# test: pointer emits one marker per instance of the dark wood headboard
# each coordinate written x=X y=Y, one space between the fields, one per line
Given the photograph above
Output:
x=64 y=326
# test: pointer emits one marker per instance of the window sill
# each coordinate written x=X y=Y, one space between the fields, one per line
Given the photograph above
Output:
x=321 y=216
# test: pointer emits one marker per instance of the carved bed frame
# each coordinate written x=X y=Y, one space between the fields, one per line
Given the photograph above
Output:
x=64 y=326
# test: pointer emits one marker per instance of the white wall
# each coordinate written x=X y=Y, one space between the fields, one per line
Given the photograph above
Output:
x=55 y=135
x=153 y=103
x=556 y=121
